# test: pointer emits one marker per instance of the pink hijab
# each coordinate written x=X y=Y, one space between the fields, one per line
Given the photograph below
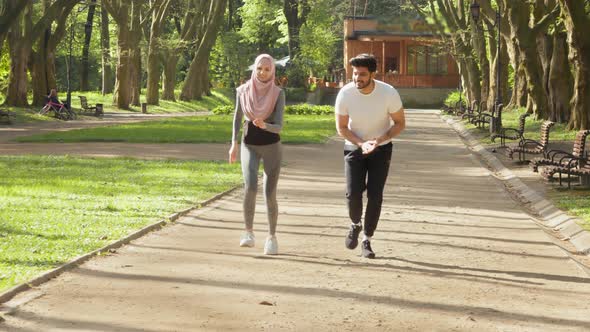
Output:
x=258 y=98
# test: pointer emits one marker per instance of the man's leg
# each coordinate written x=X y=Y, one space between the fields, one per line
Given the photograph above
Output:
x=355 y=168
x=378 y=168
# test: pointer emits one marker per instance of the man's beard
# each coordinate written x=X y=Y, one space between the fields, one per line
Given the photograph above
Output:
x=365 y=85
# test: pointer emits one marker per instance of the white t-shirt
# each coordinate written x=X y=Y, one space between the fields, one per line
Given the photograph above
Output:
x=369 y=115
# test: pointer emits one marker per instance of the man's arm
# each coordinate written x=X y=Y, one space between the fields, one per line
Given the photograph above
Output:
x=399 y=124
x=342 y=128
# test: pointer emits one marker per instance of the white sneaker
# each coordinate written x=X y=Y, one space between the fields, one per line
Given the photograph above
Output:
x=271 y=247
x=247 y=240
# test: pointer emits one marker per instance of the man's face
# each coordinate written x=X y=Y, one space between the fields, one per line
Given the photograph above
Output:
x=362 y=77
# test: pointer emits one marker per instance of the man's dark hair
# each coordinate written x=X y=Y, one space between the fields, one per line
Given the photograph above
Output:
x=365 y=60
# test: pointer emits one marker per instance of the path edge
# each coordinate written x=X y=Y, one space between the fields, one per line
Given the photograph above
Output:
x=544 y=211
x=77 y=261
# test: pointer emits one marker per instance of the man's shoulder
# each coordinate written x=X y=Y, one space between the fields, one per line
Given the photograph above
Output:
x=388 y=88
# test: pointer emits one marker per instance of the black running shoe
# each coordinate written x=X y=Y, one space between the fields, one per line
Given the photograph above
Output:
x=352 y=239
x=367 y=251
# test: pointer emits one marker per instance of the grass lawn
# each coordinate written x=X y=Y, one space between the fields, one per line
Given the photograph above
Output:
x=219 y=98
x=198 y=129
x=54 y=208
x=574 y=202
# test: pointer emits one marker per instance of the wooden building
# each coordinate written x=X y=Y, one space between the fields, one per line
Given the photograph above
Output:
x=408 y=54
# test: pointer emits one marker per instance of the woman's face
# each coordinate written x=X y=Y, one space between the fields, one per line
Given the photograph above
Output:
x=264 y=71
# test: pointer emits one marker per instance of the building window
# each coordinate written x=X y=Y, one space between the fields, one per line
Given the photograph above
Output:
x=425 y=60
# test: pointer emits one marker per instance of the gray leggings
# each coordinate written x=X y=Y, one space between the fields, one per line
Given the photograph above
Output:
x=271 y=156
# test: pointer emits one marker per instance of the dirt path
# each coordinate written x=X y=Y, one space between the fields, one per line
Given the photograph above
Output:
x=455 y=253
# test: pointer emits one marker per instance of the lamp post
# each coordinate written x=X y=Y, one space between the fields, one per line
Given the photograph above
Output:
x=495 y=123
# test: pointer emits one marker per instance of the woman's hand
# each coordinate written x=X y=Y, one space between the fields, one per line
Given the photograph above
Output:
x=259 y=123
x=233 y=153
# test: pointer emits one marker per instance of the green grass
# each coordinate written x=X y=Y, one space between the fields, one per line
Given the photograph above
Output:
x=532 y=128
x=198 y=129
x=219 y=98
x=54 y=208
x=574 y=202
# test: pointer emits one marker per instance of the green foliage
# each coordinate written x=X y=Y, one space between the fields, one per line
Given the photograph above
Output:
x=55 y=208
x=453 y=98
x=224 y=110
x=318 y=38
x=308 y=109
x=263 y=24
x=229 y=60
x=295 y=95
x=299 y=109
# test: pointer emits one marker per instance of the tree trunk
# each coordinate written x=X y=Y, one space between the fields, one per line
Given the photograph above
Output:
x=518 y=15
x=170 y=77
x=560 y=81
x=17 y=81
x=191 y=88
x=135 y=34
x=295 y=12
x=577 y=24
x=107 y=70
x=85 y=70
x=519 y=90
x=479 y=46
x=154 y=69
x=122 y=95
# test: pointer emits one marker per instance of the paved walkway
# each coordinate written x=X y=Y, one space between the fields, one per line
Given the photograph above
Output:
x=455 y=253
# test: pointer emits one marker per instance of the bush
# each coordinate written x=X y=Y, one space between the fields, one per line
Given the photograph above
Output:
x=299 y=109
x=453 y=98
x=308 y=109
x=224 y=110
x=297 y=95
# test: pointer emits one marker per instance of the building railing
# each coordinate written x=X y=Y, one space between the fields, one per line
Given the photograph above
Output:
x=420 y=81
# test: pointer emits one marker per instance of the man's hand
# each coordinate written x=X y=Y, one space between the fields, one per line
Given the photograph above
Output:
x=259 y=123
x=369 y=146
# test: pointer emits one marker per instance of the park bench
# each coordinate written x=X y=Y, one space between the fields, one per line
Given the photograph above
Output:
x=575 y=166
x=470 y=113
x=5 y=117
x=483 y=118
x=95 y=110
x=531 y=146
x=557 y=157
x=511 y=133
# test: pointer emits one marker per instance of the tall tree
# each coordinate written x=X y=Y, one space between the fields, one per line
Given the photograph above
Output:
x=576 y=15
x=105 y=45
x=23 y=35
x=296 y=12
x=9 y=12
x=85 y=64
x=154 y=71
x=127 y=16
x=196 y=82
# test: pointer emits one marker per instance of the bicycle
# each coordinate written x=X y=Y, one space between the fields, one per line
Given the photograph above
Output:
x=59 y=110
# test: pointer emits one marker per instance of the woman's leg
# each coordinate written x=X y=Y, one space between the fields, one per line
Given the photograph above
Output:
x=272 y=155
x=250 y=162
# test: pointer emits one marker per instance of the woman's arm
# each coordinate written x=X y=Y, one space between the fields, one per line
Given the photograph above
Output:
x=238 y=115
x=277 y=124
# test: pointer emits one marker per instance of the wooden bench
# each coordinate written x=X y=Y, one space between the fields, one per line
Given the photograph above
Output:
x=511 y=133
x=562 y=158
x=95 y=110
x=5 y=117
x=531 y=146
x=579 y=167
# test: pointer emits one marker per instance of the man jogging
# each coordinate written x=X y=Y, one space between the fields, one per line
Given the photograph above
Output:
x=369 y=113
